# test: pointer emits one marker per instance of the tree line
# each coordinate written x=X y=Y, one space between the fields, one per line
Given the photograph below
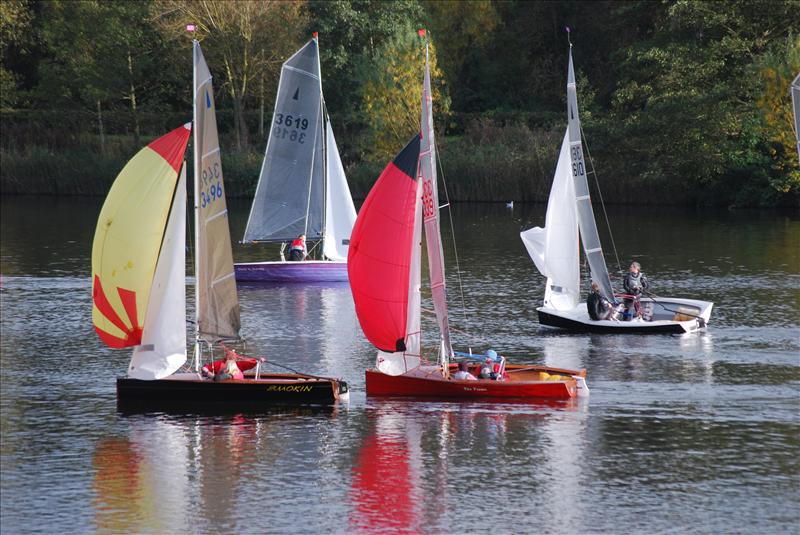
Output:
x=682 y=101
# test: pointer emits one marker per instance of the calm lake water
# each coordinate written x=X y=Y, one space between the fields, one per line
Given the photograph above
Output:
x=683 y=434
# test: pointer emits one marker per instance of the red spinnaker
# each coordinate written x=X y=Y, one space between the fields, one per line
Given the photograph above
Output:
x=378 y=262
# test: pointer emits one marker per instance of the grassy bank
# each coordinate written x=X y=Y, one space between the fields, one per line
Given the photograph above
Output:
x=489 y=162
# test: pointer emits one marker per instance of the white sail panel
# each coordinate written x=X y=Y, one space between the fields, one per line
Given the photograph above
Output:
x=588 y=226
x=289 y=197
x=340 y=212
x=554 y=248
x=163 y=348
x=217 y=303
x=430 y=210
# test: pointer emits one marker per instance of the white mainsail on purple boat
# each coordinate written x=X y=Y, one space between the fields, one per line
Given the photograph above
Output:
x=302 y=188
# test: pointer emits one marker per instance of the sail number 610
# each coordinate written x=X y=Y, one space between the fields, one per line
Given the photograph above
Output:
x=577 y=161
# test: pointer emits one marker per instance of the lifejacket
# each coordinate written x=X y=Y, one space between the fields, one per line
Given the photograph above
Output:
x=297 y=245
x=633 y=283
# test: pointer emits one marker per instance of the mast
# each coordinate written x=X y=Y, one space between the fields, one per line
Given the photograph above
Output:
x=430 y=211
x=588 y=227
x=196 y=162
x=323 y=114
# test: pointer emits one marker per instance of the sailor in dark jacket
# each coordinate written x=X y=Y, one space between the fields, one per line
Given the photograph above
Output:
x=635 y=284
x=597 y=305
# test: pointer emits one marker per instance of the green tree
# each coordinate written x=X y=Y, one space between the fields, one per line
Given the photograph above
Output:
x=777 y=69
x=686 y=97
x=104 y=54
x=392 y=92
x=15 y=23
x=243 y=42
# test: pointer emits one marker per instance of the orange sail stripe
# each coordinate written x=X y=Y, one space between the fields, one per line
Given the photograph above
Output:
x=134 y=333
x=172 y=146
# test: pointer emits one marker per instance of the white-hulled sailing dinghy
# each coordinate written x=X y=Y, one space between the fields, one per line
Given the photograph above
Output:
x=555 y=251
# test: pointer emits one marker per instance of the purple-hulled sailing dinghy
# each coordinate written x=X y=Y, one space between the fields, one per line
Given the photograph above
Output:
x=302 y=188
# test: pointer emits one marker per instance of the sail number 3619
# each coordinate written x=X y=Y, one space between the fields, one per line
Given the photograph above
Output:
x=577 y=161
x=288 y=126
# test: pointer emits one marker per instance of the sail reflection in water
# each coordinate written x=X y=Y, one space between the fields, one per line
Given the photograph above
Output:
x=401 y=483
x=150 y=480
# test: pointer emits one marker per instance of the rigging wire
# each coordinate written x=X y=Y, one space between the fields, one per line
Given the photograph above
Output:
x=452 y=233
x=602 y=203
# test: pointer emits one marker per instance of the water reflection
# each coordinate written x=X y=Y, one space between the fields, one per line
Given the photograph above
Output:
x=447 y=467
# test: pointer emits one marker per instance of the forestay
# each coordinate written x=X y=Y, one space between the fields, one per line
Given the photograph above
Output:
x=289 y=198
x=217 y=302
x=586 y=221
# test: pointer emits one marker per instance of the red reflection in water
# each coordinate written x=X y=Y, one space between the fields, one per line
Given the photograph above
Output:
x=382 y=487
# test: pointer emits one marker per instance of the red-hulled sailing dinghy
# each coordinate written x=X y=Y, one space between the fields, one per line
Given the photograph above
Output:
x=384 y=267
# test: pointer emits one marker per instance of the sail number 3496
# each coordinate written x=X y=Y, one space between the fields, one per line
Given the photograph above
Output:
x=211 y=185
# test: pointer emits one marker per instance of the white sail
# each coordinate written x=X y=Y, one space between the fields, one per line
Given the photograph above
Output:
x=430 y=211
x=554 y=248
x=163 y=347
x=217 y=302
x=587 y=223
x=340 y=212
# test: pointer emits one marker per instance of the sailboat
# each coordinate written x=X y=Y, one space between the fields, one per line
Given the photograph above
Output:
x=384 y=265
x=555 y=252
x=139 y=277
x=302 y=188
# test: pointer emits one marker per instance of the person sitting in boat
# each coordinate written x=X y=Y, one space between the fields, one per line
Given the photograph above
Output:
x=463 y=372
x=634 y=283
x=486 y=370
x=221 y=366
x=597 y=305
x=297 y=250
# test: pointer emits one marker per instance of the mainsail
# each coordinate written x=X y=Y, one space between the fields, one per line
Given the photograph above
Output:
x=217 y=303
x=586 y=221
x=128 y=238
x=430 y=211
x=554 y=248
x=289 y=198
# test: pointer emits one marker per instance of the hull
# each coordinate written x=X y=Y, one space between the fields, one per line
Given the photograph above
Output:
x=306 y=271
x=189 y=391
x=667 y=316
x=524 y=382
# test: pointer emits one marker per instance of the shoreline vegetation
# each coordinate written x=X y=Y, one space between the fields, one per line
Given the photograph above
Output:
x=685 y=105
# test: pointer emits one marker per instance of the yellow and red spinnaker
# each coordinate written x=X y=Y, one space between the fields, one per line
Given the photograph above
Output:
x=128 y=238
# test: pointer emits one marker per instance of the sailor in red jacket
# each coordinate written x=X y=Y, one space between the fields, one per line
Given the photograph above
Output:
x=297 y=250
x=217 y=367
